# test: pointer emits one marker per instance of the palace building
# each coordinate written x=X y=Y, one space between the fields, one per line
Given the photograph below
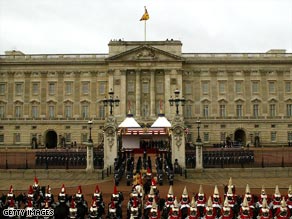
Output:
x=244 y=98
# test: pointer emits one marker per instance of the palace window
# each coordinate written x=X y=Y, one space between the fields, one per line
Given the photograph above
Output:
x=68 y=87
x=18 y=111
x=2 y=111
x=272 y=87
x=222 y=87
x=34 y=112
x=255 y=87
x=255 y=110
x=1 y=138
x=52 y=88
x=160 y=87
x=238 y=87
x=16 y=138
x=2 y=88
x=18 y=88
x=188 y=88
x=222 y=136
x=290 y=136
x=289 y=110
x=35 y=88
x=288 y=87
x=273 y=136
x=272 y=110
x=206 y=136
x=205 y=87
x=51 y=111
x=101 y=111
x=68 y=137
x=84 y=137
x=85 y=111
x=222 y=112
x=239 y=110
x=188 y=110
x=205 y=111
x=85 y=87
x=68 y=110
x=101 y=87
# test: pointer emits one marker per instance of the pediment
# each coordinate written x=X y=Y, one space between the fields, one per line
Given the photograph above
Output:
x=145 y=53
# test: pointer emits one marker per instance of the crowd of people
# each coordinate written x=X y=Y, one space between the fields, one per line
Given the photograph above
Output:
x=149 y=204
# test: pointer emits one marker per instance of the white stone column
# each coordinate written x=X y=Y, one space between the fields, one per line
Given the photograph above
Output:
x=138 y=93
x=178 y=145
x=123 y=94
x=110 y=145
x=152 y=94
x=199 y=156
x=89 y=157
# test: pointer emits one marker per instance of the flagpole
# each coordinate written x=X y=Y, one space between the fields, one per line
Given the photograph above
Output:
x=145 y=30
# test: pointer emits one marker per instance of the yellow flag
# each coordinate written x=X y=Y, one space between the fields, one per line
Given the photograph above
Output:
x=145 y=16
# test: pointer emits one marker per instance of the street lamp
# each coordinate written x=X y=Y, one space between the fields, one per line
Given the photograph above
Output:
x=111 y=101
x=90 y=127
x=198 y=127
x=177 y=101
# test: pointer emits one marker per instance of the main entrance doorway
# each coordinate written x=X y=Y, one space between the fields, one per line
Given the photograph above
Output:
x=239 y=138
x=51 y=139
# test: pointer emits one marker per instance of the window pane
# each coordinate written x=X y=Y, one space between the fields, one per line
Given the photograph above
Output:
x=255 y=87
x=85 y=87
x=289 y=110
x=68 y=111
x=2 y=88
x=68 y=88
x=51 y=112
x=238 y=87
x=288 y=86
x=34 y=111
x=35 y=88
x=272 y=110
x=205 y=87
x=2 y=111
x=102 y=86
x=205 y=110
x=239 y=110
x=145 y=87
x=18 y=88
x=84 y=111
x=255 y=110
x=18 y=112
x=272 y=88
x=52 y=88
x=221 y=87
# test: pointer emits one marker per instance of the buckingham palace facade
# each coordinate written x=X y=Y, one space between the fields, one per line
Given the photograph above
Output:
x=245 y=97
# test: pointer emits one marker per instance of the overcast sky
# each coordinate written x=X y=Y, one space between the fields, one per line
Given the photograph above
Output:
x=87 y=26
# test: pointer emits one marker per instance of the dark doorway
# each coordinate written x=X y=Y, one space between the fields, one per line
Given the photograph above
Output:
x=239 y=138
x=51 y=139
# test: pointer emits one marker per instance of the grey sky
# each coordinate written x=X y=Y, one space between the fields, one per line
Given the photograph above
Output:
x=86 y=26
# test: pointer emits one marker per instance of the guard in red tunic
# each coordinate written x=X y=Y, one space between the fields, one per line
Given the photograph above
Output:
x=226 y=211
x=201 y=201
x=174 y=212
x=216 y=201
x=194 y=214
x=265 y=211
x=289 y=199
x=154 y=211
x=250 y=200
x=231 y=197
x=209 y=212
x=262 y=197
x=276 y=201
x=245 y=210
x=169 y=200
x=184 y=203
x=283 y=211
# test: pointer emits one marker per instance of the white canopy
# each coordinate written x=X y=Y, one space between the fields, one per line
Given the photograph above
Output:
x=129 y=122
x=161 y=122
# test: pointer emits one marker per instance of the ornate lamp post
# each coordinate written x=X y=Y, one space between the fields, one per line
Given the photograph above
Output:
x=198 y=127
x=111 y=101
x=177 y=101
x=90 y=127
